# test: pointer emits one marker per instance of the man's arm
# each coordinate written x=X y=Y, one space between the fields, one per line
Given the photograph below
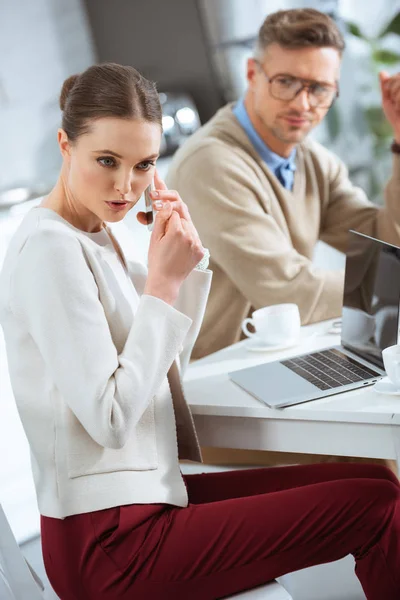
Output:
x=348 y=207
x=225 y=199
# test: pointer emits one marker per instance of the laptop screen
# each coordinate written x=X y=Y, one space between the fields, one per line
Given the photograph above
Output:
x=371 y=297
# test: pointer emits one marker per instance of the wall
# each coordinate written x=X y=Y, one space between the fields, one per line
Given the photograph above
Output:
x=163 y=40
x=41 y=43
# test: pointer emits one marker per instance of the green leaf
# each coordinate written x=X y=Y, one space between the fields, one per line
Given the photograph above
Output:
x=386 y=57
x=355 y=30
x=377 y=123
x=392 y=27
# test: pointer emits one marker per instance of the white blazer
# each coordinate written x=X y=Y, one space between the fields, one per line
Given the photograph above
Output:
x=94 y=368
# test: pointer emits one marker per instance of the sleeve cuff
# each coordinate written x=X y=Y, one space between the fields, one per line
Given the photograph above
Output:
x=157 y=305
x=203 y=264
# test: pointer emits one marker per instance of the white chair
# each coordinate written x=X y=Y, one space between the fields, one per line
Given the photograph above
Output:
x=18 y=580
x=270 y=591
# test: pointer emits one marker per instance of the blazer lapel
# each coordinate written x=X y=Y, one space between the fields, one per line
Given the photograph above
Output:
x=188 y=444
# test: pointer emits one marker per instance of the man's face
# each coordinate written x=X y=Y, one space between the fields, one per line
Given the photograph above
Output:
x=289 y=121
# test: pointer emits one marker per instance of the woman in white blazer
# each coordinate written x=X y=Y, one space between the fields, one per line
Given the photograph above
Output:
x=96 y=342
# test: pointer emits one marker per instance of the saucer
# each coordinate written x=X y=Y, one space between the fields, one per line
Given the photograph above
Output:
x=254 y=345
x=385 y=386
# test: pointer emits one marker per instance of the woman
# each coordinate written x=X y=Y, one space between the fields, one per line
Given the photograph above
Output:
x=93 y=339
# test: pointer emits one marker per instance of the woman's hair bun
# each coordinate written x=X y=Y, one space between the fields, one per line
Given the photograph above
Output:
x=107 y=90
x=66 y=89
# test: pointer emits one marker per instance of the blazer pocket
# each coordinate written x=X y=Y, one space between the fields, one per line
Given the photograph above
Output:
x=87 y=457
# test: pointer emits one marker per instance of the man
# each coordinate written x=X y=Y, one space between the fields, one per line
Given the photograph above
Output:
x=261 y=194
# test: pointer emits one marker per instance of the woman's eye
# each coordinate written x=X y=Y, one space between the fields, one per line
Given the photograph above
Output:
x=106 y=161
x=145 y=166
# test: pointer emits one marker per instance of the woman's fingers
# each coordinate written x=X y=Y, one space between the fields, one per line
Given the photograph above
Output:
x=176 y=218
x=192 y=234
x=159 y=184
x=191 y=230
x=161 y=222
x=174 y=224
x=164 y=193
x=161 y=196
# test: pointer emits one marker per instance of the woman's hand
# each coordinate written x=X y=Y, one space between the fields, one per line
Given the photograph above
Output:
x=161 y=195
x=175 y=247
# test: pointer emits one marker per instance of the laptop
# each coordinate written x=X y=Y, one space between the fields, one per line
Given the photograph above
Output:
x=370 y=321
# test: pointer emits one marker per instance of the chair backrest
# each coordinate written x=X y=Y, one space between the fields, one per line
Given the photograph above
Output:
x=18 y=581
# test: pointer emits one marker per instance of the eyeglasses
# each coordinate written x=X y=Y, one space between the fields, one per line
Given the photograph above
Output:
x=286 y=87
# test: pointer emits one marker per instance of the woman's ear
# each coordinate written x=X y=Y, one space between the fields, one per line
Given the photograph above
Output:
x=64 y=143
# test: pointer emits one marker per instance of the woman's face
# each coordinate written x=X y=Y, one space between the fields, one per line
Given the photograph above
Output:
x=107 y=169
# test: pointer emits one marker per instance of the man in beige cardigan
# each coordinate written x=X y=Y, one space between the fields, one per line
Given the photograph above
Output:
x=261 y=194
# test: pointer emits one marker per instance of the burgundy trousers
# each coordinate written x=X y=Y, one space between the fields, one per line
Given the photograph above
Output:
x=241 y=529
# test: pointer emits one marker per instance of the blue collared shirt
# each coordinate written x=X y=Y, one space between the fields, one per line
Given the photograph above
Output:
x=283 y=168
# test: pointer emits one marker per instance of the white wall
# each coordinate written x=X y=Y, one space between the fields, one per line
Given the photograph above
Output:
x=370 y=16
x=41 y=43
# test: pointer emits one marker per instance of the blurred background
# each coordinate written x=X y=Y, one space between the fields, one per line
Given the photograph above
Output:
x=196 y=51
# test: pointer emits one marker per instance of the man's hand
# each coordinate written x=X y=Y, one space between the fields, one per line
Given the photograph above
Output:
x=390 y=87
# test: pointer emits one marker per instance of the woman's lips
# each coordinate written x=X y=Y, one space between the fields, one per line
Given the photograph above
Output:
x=117 y=206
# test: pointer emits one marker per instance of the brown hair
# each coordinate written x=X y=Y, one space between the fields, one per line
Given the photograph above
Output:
x=107 y=90
x=298 y=28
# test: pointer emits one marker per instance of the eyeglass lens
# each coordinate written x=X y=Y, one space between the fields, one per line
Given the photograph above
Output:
x=286 y=88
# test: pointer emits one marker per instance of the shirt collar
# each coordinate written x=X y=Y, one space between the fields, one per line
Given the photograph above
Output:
x=273 y=161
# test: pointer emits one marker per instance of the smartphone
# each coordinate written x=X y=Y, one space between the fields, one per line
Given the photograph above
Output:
x=150 y=213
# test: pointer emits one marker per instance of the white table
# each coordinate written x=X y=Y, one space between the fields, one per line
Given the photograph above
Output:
x=358 y=423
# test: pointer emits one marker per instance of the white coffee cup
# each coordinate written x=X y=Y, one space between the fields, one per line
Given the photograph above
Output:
x=274 y=325
x=391 y=360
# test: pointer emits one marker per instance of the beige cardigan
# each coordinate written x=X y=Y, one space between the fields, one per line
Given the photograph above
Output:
x=261 y=236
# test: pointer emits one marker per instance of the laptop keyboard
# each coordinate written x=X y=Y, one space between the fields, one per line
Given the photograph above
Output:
x=329 y=369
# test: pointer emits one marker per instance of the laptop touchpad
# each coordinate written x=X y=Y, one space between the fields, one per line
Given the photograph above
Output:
x=275 y=384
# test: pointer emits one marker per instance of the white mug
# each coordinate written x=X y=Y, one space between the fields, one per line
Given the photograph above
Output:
x=391 y=360
x=274 y=325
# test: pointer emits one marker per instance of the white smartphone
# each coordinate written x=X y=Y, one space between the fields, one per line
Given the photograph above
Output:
x=150 y=213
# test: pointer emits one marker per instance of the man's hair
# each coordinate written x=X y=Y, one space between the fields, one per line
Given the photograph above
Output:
x=299 y=28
